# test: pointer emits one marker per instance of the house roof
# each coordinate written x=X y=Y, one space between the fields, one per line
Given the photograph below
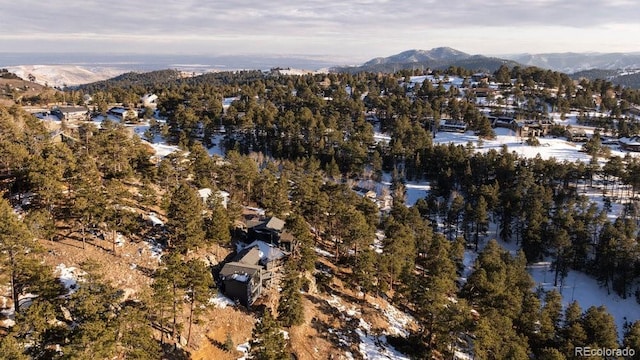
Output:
x=266 y=251
x=250 y=256
x=274 y=223
x=73 y=109
x=204 y=193
x=239 y=271
x=633 y=141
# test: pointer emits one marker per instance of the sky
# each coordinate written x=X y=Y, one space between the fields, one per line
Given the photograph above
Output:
x=352 y=30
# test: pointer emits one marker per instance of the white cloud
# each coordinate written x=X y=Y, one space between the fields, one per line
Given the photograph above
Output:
x=360 y=27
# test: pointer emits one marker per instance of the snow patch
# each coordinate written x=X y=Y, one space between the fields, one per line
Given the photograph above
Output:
x=221 y=301
x=69 y=277
x=323 y=252
x=586 y=290
x=375 y=347
x=398 y=321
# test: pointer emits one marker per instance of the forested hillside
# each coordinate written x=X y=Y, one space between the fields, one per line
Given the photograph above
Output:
x=301 y=148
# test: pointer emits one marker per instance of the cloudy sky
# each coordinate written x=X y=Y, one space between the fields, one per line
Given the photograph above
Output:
x=351 y=29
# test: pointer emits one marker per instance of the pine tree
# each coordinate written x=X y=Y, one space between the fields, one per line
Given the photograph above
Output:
x=551 y=317
x=185 y=222
x=17 y=251
x=37 y=326
x=94 y=308
x=41 y=223
x=197 y=283
x=600 y=328
x=136 y=338
x=268 y=341
x=398 y=252
x=11 y=349
x=217 y=224
x=290 y=309
x=632 y=337
x=573 y=333
x=169 y=284
x=364 y=271
x=442 y=317
x=303 y=247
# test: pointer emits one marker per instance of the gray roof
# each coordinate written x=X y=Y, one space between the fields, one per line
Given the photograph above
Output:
x=267 y=252
x=250 y=256
x=236 y=268
x=275 y=224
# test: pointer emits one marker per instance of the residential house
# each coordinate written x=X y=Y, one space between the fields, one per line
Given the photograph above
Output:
x=150 y=100
x=255 y=267
x=452 y=126
x=268 y=230
x=123 y=114
x=630 y=144
x=242 y=282
x=205 y=193
x=70 y=113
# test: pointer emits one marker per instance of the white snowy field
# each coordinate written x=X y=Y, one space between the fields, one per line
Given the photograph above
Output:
x=69 y=75
x=586 y=290
x=558 y=148
x=163 y=149
x=576 y=286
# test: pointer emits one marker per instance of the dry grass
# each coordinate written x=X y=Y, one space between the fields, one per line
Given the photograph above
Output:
x=219 y=323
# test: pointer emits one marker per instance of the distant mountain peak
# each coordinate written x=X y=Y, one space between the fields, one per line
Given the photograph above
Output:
x=417 y=56
x=436 y=58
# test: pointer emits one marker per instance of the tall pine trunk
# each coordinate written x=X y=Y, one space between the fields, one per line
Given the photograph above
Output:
x=193 y=300
x=174 y=328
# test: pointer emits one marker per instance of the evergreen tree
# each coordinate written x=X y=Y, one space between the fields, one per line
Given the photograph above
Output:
x=290 y=309
x=11 y=349
x=573 y=333
x=17 y=255
x=398 y=251
x=600 y=328
x=94 y=308
x=136 y=338
x=169 y=284
x=185 y=222
x=197 y=284
x=302 y=251
x=364 y=271
x=632 y=337
x=268 y=341
x=217 y=223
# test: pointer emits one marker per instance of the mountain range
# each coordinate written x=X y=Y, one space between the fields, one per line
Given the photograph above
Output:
x=574 y=62
x=443 y=57
x=75 y=69
x=437 y=58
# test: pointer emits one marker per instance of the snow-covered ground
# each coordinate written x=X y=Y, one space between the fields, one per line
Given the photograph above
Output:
x=586 y=290
x=323 y=252
x=372 y=345
x=398 y=321
x=221 y=301
x=415 y=191
x=69 y=277
x=576 y=286
x=155 y=249
x=549 y=147
x=244 y=349
x=69 y=75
